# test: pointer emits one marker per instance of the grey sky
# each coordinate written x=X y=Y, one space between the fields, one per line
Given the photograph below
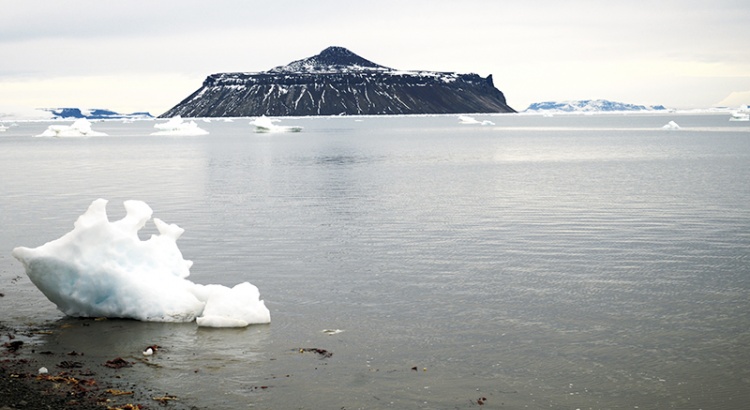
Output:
x=149 y=55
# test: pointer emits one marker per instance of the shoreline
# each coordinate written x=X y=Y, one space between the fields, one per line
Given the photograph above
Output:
x=73 y=380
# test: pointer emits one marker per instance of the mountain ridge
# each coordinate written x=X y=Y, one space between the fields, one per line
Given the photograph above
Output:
x=339 y=82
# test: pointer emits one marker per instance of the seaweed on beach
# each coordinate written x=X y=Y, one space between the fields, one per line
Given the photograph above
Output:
x=324 y=354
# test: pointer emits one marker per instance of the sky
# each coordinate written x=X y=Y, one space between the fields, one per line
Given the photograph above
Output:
x=146 y=55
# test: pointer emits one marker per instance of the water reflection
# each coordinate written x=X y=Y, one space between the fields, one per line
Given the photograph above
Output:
x=186 y=356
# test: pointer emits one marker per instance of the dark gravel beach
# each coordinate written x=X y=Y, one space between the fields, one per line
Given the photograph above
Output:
x=75 y=381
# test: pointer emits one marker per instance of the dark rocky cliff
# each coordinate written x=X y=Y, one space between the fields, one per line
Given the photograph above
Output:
x=339 y=82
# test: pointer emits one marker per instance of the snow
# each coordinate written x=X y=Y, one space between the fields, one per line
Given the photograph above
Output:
x=103 y=269
x=265 y=124
x=80 y=128
x=178 y=127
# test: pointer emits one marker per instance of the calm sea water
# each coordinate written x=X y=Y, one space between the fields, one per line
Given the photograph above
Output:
x=565 y=262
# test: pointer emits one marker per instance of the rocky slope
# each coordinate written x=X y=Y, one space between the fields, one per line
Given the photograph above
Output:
x=339 y=82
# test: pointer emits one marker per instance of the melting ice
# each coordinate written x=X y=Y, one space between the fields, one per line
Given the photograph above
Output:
x=265 y=124
x=465 y=119
x=671 y=126
x=80 y=128
x=103 y=269
x=177 y=127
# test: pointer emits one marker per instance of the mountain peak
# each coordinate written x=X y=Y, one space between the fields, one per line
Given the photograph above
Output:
x=332 y=59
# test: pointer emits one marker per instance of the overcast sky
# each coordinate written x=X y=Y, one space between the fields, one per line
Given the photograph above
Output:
x=147 y=55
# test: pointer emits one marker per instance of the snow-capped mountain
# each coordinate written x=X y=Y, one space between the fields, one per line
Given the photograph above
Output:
x=339 y=82
x=590 y=106
x=332 y=59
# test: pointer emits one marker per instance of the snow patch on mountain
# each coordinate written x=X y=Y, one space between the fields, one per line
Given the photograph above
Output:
x=331 y=60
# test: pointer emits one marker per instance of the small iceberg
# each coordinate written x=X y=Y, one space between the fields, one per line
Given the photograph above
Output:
x=80 y=128
x=465 y=119
x=265 y=124
x=177 y=127
x=743 y=114
x=671 y=126
x=104 y=269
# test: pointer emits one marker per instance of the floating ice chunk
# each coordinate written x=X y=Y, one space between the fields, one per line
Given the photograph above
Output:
x=465 y=119
x=80 y=128
x=671 y=126
x=265 y=124
x=177 y=127
x=229 y=308
x=103 y=269
x=743 y=114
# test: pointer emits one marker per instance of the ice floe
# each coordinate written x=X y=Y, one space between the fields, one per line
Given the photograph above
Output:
x=265 y=124
x=80 y=128
x=465 y=119
x=176 y=126
x=671 y=126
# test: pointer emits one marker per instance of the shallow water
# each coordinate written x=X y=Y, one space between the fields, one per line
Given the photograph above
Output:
x=565 y=262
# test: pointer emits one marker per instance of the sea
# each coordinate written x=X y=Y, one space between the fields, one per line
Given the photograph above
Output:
x=415 y=262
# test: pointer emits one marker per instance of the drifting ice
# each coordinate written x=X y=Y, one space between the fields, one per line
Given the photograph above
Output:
x=80 y=128
x=265 y=124
x=102 y=269
x=465 y=119
x=177 y=127
x=671 y=126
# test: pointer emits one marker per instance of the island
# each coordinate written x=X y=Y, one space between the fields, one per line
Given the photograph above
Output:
x=339 y=82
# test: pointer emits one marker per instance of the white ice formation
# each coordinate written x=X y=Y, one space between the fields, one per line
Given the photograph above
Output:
x=465 y=119
x=671 y=126
x=178 y=127
x=80 y=128
x=742 y=114
x=265 y=124
x=103 y=269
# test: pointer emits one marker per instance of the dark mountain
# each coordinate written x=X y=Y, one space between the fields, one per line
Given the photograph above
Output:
x=339 y=82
